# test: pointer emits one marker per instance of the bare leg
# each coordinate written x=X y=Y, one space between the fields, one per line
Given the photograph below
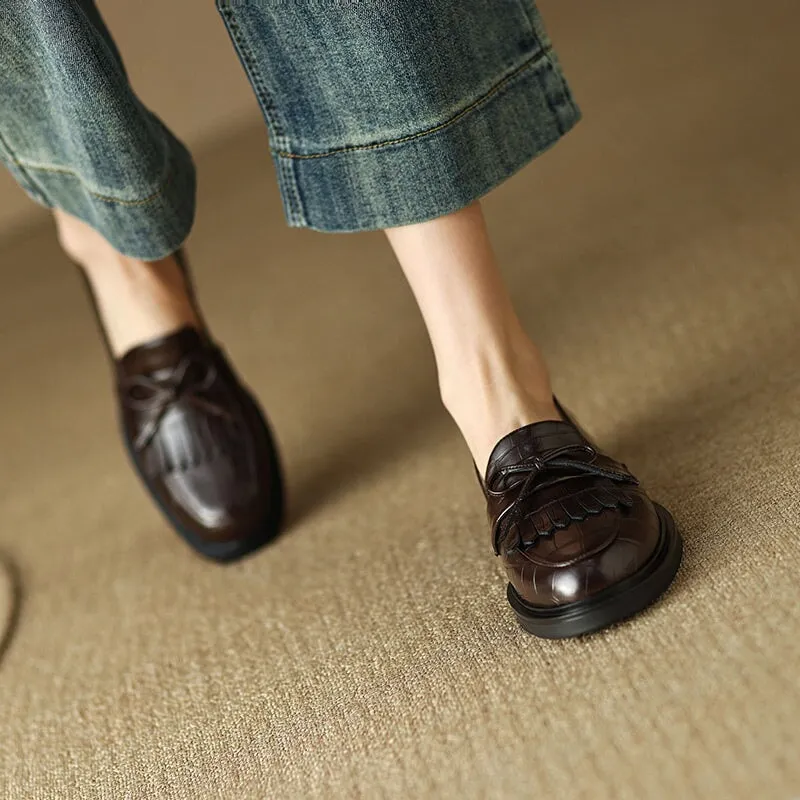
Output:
x=492 y=377
x=138 y=300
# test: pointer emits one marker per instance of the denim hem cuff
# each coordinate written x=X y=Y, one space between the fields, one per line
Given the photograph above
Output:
x=437 y=171
x=150 y=228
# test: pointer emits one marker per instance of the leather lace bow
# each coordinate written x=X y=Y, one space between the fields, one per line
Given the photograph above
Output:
x=532 y=468
x=160 y=394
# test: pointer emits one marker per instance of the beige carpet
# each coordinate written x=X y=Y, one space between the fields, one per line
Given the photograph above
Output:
x=369 y=652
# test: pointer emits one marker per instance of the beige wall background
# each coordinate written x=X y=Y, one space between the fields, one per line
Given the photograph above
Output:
x=181 y=64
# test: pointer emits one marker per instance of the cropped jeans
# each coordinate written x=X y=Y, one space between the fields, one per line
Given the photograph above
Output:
x=379 y=112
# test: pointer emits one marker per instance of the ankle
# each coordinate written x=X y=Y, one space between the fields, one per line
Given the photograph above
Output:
x=137 y=301
x=81 y=243
x=498 y=405
x=493 y=371
x=490 y=393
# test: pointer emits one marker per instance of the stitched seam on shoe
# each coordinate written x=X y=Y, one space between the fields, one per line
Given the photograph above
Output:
x=541 y=55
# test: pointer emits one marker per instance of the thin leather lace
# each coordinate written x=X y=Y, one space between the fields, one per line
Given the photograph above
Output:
x=160 y=394
x=556 y=459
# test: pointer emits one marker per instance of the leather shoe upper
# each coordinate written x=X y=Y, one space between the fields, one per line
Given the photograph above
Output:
x=196 y=437
x=567 y=520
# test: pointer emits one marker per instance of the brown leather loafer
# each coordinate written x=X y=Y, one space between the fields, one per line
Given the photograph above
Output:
x=582 y=543
x=200 y=443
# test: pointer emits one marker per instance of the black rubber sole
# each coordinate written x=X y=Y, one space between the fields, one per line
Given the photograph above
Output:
x=223 y=552
x=617 y=603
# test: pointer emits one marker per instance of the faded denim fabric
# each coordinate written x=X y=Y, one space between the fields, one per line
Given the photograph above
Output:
x=75 y=136
x=388 y=112
x=380 y=112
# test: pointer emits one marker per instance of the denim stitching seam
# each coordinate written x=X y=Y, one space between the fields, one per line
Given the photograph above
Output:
x=29 y=183
x=296 y=212
x=541 y=55
x=546 y=91
x=106 y=198
x=543 y=42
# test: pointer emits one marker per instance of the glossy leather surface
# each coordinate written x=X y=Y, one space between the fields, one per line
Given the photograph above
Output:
x=196 y=436
x=198 y=439
x=567 y=520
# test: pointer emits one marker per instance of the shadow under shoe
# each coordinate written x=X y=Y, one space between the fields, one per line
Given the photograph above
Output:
x=10 y=602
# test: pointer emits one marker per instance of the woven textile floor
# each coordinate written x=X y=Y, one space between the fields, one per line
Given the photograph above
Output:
x=655 y=255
